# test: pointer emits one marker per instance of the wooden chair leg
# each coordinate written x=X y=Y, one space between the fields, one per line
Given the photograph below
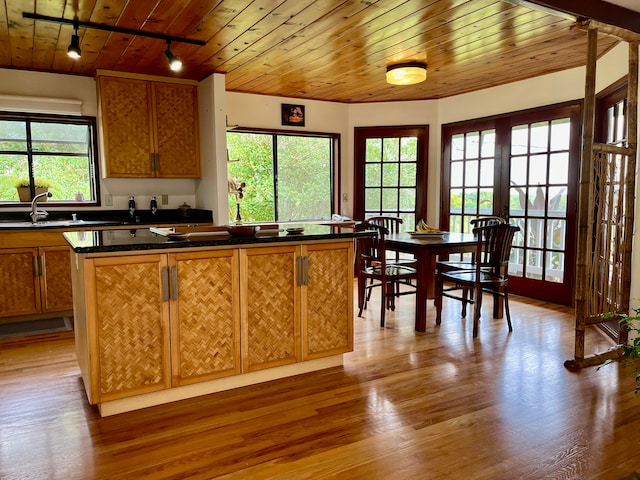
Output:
x=507 y=312
x=438 y=300
x=383 y=302
x=465 y=300
x=476 y=311
x=361 y=295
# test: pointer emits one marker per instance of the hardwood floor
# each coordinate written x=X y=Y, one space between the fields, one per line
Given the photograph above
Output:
x=437 y=405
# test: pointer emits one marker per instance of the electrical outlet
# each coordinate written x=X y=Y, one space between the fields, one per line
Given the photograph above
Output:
x=108 y=200
x=165 y=199
x=345 y=197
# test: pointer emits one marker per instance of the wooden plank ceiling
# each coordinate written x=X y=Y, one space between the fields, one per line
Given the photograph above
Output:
x=335 y=50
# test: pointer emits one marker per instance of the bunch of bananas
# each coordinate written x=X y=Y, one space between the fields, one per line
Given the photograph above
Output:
x=422 y=227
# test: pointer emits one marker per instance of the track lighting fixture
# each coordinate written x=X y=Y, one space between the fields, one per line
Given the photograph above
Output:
x=175 y=63
x=74 y=47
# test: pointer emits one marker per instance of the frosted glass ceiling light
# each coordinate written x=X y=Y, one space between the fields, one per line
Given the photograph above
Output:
x=406 y=73
x=174 y=62
x=74 y=47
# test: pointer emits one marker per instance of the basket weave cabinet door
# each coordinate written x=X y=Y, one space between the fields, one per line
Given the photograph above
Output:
x=128 y=326
x=270 y=307
x=19 y=288
x=55 y=279
x=205 y=315
x=327 y=300
x=127 y=126
x=177 y=133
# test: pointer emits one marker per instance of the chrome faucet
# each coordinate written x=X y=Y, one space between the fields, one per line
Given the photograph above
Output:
x=35 y=213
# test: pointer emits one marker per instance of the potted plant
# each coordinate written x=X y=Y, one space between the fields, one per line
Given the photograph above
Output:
x=24 y=193
x=629 y=351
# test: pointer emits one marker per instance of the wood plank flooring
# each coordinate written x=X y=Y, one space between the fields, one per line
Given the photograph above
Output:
x=437 y=405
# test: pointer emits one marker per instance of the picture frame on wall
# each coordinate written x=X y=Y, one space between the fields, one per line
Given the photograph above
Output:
x=293 y=115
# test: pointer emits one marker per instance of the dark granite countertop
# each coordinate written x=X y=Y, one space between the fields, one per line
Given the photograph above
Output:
x=100 y=241
x=93 y=218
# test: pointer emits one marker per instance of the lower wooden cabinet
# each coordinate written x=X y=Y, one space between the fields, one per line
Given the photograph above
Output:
x=35 y=280
x=151 y=322
x=297 y=303
x=158 y=321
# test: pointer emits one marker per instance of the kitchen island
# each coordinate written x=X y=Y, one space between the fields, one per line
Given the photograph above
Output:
x=159 y=319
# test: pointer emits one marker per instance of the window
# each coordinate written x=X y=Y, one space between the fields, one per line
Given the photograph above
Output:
x=281 y=176
x=391 y=173
x=57 y=152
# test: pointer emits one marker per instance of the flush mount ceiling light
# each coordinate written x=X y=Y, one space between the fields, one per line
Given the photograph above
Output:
x=407 y=73
x=74 y=48
x=175 y=63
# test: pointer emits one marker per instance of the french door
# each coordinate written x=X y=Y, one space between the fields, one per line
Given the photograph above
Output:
x=390 y=173
x=523 y=167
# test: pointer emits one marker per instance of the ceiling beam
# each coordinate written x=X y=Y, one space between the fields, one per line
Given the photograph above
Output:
x=599 y=10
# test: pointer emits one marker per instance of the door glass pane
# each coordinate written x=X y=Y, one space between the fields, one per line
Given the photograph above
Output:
x=485 y=204
x=488 y=147
x=534 y=265
x=456 y=174
x=539 y=137
x=537 y=203
x=556 y=233
x=554 y=271
x=557 y=202
x=407 y=199
x=407 y=174
x=457 y=147
x=389 y=200
x=559 y=169
x=472 y=145
x=390 y=150
x=486 y=172
x=471 y=173
x=518 y=173
x=373 y=151
x=390 y=176
x=372 y=199
x=560 y=134
x=455 y=201
x=537 y=170
x=408 y=149
x=516 y=262
x=373 y=176
x=519 y=140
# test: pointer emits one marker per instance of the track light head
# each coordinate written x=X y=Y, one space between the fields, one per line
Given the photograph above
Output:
x=175 y=63
x=74 y=47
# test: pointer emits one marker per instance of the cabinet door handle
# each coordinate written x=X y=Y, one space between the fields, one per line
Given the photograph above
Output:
x=36 y=266
x=165 y=284
x=299 y=279
x=43 y=270
x=152 y=157
x=174 y=283
x=306 y=270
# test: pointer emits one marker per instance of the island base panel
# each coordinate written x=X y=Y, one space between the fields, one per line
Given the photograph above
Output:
x=218 y=385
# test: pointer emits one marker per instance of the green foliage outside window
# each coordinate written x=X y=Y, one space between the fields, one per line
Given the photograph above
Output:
x=287 y=177
x=59 y=153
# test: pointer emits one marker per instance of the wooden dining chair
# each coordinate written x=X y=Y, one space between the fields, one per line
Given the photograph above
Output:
x=449 y=265
x=393 y=225
x=373 y=271
x=489 y=273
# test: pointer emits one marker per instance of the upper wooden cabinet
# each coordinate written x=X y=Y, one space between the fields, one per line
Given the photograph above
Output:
x=149 y=127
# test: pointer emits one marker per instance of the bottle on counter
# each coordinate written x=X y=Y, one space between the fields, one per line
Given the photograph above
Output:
x=154 y=205
x=132 y=207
